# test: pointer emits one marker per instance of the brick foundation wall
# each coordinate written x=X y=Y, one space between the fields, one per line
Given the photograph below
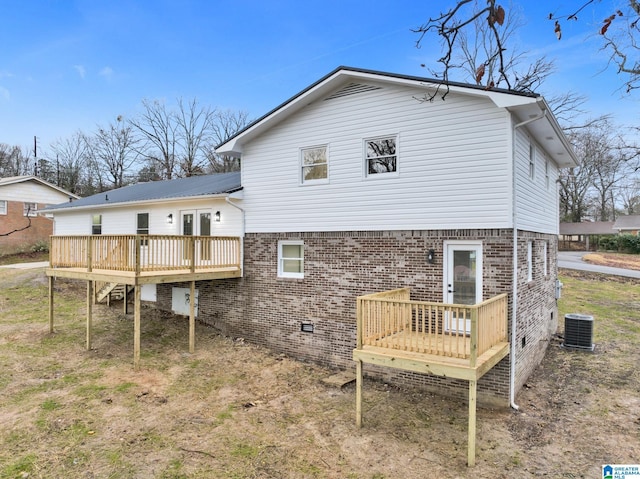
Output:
x=39 y=231
x=339 y=266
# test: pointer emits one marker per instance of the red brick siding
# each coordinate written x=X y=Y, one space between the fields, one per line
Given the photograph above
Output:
x=39 y=231
x=340 y=266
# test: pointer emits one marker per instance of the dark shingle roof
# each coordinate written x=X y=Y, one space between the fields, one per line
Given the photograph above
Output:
x=627 y=222
x=587 y=228
x=160 y=190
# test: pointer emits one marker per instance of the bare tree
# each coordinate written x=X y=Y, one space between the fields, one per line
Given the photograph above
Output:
x=194 y=131
x=115 y=149
x=158 y=127
x=226 y=124
x=13 y=161
x=629 y=194
x=71 y=163
x=619 y=32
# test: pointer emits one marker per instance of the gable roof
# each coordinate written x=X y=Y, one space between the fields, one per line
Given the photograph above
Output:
x=180 y=188
x=11 y=180
x=525 y=107
x=628 y=222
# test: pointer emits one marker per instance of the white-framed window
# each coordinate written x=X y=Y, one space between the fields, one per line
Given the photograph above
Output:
x=96 y=224
x=545 y=261
x=532 y=161
x=315 y=165
x=529 y=260
x=546 y=173
x=30 y=209
x=381 y=155
x=290 y=259
x=3 y=207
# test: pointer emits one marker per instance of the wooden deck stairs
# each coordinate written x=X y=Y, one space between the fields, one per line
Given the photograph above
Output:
x=112 y=291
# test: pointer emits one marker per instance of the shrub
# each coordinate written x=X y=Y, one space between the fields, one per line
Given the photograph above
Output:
x=628 y=243
x=608 y=243
x=40 y=247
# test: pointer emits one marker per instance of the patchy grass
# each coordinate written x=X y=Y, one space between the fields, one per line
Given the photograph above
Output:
x=234 y=411
x=616 y=260
x=30 y=257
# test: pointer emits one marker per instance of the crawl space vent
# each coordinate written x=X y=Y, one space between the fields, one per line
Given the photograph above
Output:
x=578 y=332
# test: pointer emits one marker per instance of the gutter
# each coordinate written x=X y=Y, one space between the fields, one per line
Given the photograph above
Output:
x=514 y=301
x=227 y=200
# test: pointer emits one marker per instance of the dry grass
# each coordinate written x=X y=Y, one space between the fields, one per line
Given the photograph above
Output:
x=233 y=410
x=616 y=260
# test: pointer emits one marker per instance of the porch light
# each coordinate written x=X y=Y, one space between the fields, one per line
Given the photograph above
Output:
x=431 y=256
x=217 y=217
x=170 y=219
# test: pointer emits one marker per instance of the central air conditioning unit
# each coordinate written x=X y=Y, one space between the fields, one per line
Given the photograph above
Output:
x=578 y=332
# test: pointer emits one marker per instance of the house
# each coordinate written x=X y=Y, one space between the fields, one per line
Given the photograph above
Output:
x=417 y=238
x=580 y=234
x=190 y=228
x=629 y=224
x=21 y=198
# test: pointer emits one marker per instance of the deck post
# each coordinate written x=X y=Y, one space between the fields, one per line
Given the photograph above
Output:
x=124 y=298
x=51 y=284
x=471 y=447
x=192 y=317
x=359 y=393
x=89 y=313
x=136 y=328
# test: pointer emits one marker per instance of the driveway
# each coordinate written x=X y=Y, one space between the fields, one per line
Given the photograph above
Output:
x=573 y=260
x=39 y=264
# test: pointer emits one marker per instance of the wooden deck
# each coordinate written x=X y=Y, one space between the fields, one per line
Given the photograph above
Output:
x=144 y=259
x=449 y=340
x=137 y=260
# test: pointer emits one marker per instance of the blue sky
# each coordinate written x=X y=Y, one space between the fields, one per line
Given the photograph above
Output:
x=73 y=65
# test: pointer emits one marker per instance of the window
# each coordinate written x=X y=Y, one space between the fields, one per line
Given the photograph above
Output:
x=142 y=227
x=3 y=207
x=545 y=262
x=142 y=224
x=532 y=161
x=546 y=173
x=529 y=260
x=96 y=224
x=30 y=209
x=380 y=156
x=290 y=259
x=314 y=164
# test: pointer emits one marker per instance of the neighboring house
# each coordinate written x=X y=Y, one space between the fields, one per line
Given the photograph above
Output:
x=21 y=199
x=356 y=186
x=629 y=224
x=580 y=234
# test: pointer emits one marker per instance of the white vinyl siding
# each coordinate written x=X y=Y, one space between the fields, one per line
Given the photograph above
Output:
x=454 y=162
x=537 y=203
x=123 y=220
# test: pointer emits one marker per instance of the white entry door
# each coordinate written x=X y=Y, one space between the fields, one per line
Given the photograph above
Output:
x=462 y=280
x=197 y=223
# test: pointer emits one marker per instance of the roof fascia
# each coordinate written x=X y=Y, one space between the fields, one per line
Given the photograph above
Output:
x=124 y=204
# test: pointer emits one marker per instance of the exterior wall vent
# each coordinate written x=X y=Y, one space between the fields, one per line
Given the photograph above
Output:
x=352 y=89
x=578 y=332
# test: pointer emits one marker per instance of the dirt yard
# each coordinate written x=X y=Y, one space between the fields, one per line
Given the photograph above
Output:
x=234 y=410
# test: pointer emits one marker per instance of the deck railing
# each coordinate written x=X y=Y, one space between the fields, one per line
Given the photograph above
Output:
x=391 y=320
x=144 y=253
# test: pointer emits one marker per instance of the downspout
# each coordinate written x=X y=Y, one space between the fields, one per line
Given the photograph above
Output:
x=228 y=200
x=514 y=300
